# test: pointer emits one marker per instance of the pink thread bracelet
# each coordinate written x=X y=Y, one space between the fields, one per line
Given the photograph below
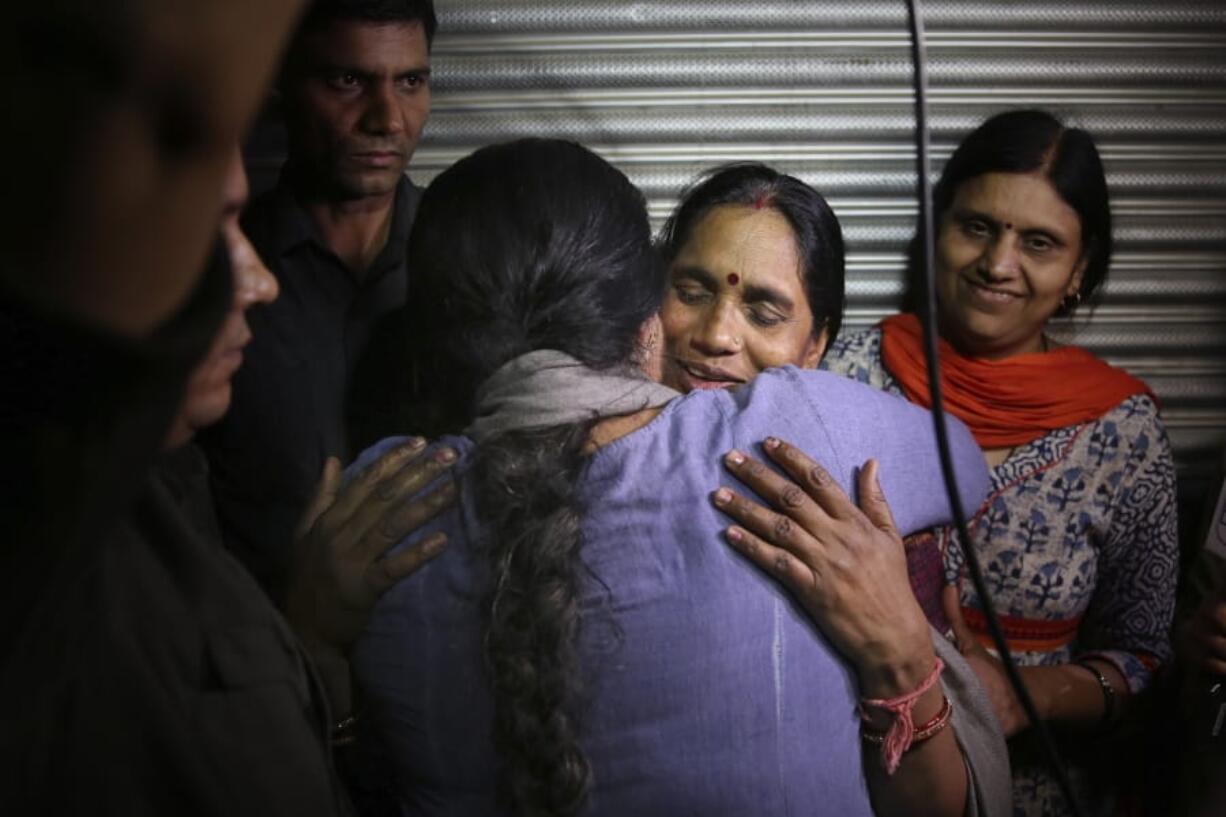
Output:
x=923 y=731
x=901 y=734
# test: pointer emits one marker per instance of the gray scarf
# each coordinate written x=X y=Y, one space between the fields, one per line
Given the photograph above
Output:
x=549 y=388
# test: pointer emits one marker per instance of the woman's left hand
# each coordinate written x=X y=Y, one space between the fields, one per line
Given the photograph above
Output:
x=844 y=563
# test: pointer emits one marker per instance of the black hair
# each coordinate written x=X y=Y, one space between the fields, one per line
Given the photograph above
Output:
x=528 y=245
x=819 y=238
x=322 y=13
x=1030 y=141
x=531 y=244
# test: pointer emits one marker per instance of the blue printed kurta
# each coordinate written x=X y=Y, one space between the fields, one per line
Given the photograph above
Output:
x=1078 y=545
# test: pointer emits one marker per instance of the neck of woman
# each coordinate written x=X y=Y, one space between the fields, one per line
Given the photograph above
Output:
x=612 y=429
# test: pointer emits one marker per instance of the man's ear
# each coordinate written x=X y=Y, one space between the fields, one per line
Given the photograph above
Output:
x=814 y=349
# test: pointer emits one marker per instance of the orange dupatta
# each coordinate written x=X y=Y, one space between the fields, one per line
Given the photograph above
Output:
x=1013 y=401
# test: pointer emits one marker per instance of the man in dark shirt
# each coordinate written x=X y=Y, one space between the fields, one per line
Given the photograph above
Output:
x=356 y=93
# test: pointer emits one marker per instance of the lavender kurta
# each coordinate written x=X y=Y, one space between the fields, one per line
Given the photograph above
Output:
x=706 y=691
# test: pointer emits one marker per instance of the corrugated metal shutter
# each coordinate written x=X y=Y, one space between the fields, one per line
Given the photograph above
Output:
x=822 y=90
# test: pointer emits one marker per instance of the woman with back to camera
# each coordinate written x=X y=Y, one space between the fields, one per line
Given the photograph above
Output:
x=1078 y=538
x=587 y=643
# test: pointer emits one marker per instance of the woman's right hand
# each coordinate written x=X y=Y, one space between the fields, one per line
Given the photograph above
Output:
x=343 y=561
x=847 y=567
x=845 y=564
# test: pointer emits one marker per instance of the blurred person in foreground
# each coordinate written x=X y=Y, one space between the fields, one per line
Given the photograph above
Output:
x=123 y=117
x=145 y=674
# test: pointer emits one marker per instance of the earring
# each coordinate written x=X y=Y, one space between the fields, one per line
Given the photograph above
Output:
x=1071 y=302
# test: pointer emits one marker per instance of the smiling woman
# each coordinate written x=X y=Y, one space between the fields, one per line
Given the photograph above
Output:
x=1010 y=254
x=755 y=278
x=1077 y=537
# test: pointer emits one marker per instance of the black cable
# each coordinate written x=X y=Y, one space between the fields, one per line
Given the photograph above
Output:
x=927 y=234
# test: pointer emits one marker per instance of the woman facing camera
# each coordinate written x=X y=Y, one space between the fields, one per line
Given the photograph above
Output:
x=1078 y=537
x=755 y=268
x=755 y=278
x=588 y=644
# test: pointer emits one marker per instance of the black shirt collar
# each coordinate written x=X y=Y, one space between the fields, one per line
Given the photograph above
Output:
x=293 y=226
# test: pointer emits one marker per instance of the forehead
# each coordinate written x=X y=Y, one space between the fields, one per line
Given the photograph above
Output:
x=368 y=46
x=1028 y=201
x=753 y=243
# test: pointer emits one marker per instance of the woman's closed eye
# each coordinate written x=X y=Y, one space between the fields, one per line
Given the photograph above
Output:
x=692 y=294
x=766 y=316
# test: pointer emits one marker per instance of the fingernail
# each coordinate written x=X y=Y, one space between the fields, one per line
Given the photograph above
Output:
x=735 y=535
x=444 y=455
x=723 y=496
x=771 y=443
x=736 y=457
x=415 y=443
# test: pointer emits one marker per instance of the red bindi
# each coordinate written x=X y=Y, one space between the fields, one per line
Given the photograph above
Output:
x=733 y=279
